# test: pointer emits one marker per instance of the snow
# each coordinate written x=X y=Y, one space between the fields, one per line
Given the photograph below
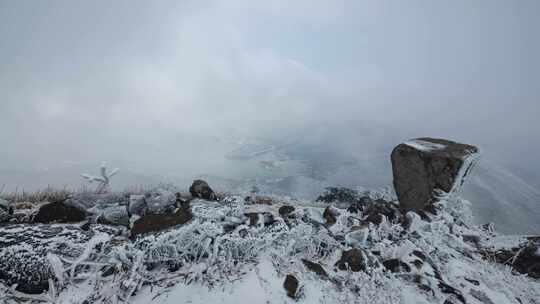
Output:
x=249 y=264
x=424 y=146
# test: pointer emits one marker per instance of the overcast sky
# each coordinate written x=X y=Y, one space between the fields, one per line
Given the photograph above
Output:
x=156 y=83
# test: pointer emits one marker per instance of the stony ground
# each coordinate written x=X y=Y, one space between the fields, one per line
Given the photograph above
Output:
x=346 y=248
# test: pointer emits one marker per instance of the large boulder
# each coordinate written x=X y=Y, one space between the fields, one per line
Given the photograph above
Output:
x=426 y=168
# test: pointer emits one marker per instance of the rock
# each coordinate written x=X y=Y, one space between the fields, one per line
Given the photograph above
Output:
x=474 y=282
x=426 y=168
x=160 y=201
x=524 y=259
x=338 y=194
x=315 y=267
x=201 y=189
x=330 y=214
x=258 y=218
x=376 y=211
x=157 y=222
x=352 y=259
x=115 y=215
x=396 y=265
x=285 y=211
x=291 y=285
x=59 y=212
x=445 y=288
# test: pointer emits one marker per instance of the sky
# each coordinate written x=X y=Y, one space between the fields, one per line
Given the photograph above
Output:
x=167 y=86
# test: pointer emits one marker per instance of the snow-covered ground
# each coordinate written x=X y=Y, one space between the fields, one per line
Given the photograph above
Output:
x=223 y=257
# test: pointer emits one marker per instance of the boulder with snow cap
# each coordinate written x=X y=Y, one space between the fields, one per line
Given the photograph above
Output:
x=425 y=169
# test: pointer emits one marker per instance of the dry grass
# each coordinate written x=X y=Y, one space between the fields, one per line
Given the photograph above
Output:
x=46 y=195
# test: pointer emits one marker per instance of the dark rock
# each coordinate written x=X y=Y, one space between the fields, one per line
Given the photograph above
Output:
x=475 y=239
x=201 y=189
x=338 y=194
x=286 y=210
x=396 y=265
x=353 y=259
x=315 y=267
x=330 y=214
x=376 y=210
x=59 y=212
x=474 y=282
x=445 y=288
x=256 y=217
x=422 y=256
x=291 y=285
x=524 y=259
x=418 y=263
x=156 y=222
x=424 y=166
x=375 y=218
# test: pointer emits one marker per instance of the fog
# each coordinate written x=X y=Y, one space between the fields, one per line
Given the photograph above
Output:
x=165 y=90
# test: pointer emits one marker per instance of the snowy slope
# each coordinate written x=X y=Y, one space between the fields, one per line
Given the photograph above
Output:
x=223 y=257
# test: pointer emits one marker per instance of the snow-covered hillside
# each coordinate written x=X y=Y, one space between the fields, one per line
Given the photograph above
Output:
x=243 y=251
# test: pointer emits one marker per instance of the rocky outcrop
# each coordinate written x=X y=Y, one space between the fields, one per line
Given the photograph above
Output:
x=201 y=189
x=59 y=212
x=426 y=168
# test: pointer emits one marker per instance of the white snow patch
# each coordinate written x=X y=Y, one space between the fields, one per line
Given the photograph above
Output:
x=424 y=146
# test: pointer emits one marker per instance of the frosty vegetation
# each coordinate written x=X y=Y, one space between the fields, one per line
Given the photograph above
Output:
x=220 y=247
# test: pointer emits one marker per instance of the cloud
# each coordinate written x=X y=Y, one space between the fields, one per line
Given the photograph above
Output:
x=159 y=83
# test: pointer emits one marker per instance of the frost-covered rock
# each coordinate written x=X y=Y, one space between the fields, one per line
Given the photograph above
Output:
x=160 y=201
x=114 y=215
x=201 y=189
x=425 y=169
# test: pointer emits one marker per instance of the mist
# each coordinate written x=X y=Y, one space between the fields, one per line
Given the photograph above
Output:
x=165 y=90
